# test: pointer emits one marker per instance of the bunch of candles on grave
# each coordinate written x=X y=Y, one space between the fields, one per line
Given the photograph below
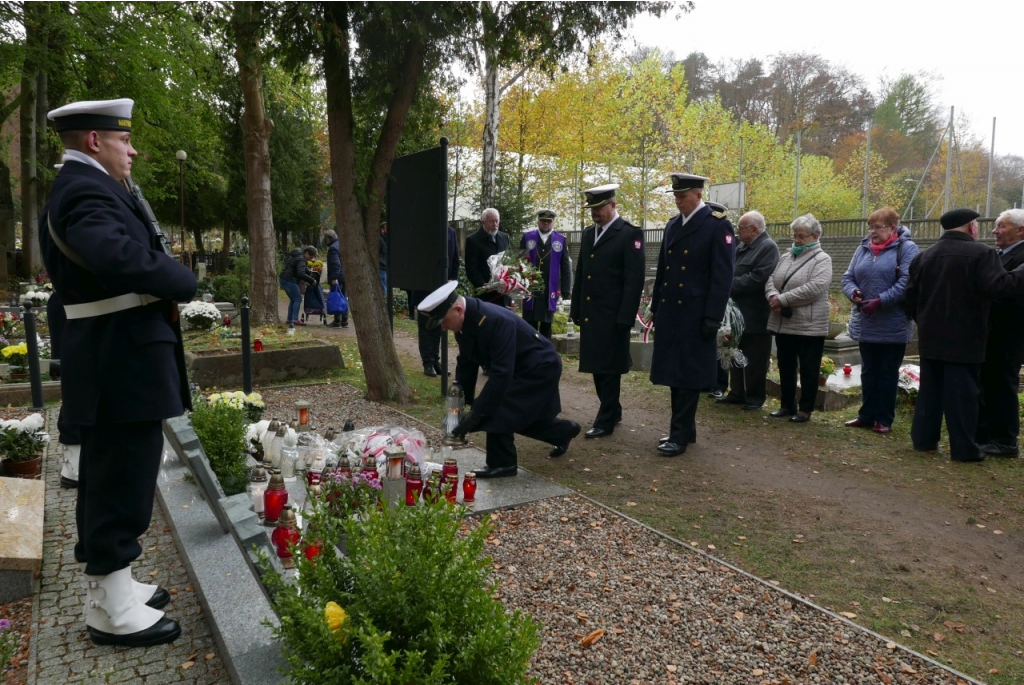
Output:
x=454 y=404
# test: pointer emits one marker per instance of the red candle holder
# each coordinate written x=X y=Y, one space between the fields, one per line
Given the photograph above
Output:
x=469 y=488
x=413 y=486
x=257 y=345
x=847 y=369
x=274 y=498
x=451 y=491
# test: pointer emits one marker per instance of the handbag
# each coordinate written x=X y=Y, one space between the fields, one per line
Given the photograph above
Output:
x=336 y=302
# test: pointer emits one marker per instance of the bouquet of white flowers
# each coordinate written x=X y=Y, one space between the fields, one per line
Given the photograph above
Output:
x=200 y=315
x=513 y=275
x=38 y=298
x=729 y=334
x=23 y=440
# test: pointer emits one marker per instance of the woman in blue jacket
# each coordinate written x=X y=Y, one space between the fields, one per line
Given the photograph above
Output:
x=874 y=282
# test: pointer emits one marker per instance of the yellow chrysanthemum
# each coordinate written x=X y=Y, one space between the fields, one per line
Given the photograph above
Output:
x=335 y=617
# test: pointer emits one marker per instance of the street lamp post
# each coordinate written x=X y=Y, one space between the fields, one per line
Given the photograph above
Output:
x=181 y=156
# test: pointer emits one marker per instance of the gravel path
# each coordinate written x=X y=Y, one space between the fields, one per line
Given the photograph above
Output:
x=669 y=614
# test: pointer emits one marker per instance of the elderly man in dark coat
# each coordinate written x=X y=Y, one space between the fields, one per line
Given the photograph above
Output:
x=485 y=242
x=605 y=298
x=123 y=366
x=691 y=289
x=756 y=259
x=521 y=393
x=949 y=294
x=999 y=412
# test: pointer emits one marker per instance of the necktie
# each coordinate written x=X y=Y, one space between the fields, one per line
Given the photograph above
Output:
x=494 y=239
x=600 y=234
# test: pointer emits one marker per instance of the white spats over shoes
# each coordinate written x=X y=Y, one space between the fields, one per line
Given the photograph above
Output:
x=115 y=616
x=69 y=466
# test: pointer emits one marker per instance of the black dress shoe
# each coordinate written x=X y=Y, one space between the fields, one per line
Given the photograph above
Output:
x=994 y=449
x=163 y=631
x=781 y=413
x=671 y=449
x=729 y=399
x=597 y=433
x=68 y=483
x=428 y=370
x=800 y=418
x=752 y=407
x=497 y=472
x=716 y=394
x=437 y=368
x=564 y=447
x=159 y=599
x=663 y=439
x=927 y=448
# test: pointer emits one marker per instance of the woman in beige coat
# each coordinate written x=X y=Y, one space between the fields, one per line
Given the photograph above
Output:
x=797 y=293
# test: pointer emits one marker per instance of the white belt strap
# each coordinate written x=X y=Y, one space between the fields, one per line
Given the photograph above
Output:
x=107 y=306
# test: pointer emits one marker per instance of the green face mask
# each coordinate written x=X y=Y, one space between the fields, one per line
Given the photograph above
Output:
x=797 y=249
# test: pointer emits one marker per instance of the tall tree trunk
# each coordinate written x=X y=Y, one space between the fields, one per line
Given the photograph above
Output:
x=256 y=130
x=358 y=226
x=492 y=100
x=29 y=91
x=6 y=197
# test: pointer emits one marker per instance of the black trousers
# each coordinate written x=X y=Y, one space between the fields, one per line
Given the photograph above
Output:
x=501 y=447
x=748 y=383
x=70 y=434
x=804 y=350
x=543 y=326
x=879 y=376
x=950 y=390
x=998 y=412
x=429 y=341
x=610 y=413
x=683 y=429
x=116 y=483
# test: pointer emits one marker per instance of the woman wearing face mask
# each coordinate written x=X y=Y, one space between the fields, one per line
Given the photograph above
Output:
x=797 y=294
x=874 y=283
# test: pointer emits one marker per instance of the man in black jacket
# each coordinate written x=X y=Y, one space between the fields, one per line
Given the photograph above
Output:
x=521 y=393
x=999 y=411
x=123 y=366
x=756 y=259
x=605 y=298
x=949 y=294
x=488 y=240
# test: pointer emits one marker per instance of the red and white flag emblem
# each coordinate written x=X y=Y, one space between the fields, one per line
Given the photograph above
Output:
x=728 y=239
x=637 y=244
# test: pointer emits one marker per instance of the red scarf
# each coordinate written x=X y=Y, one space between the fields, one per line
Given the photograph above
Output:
x=877 y=249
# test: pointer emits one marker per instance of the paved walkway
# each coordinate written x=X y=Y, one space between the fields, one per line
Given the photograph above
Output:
x=61 y=651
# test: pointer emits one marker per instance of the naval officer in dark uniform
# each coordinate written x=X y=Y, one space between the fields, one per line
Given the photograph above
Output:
x=548 y=252
x=123 y=367
x=605 y=298
x=521 y=393
x=691 y=289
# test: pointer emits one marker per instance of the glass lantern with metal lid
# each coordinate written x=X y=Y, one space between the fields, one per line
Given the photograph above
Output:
x=454 y=406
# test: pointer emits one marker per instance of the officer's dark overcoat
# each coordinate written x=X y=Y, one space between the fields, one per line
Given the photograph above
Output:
x=694 y=278
x=606 y=296
x=129 y=365
x=523 y=368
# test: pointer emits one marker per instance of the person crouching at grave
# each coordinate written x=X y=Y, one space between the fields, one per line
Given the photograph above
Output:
x=123 y=361
x=521 y=393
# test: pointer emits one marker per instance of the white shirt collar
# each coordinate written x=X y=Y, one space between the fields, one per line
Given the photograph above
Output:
x=695 y=210
x=614 y=217
x=544 y=237
x=76 y=156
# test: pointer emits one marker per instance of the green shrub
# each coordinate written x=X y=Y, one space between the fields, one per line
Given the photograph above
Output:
x=417 y=604
x=234 y=284
x=221 y=430
x=400 y=301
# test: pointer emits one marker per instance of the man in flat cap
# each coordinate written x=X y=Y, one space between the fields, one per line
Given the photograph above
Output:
x=486 y=241
x=547 y=250
x=691 y=289
x=521 y=393
x=949 y=294
x=605 y=298
x=123 y=361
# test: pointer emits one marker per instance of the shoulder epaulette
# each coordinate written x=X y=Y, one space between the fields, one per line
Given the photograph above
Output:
x=720 y=215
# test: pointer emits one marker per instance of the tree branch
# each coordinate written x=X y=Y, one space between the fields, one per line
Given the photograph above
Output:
x=511 y=82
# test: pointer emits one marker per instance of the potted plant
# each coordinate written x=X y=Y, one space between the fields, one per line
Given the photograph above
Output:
x=837 y=318
x=21 y=446
x=17 y=357
x=828 y=367
x=200 y=315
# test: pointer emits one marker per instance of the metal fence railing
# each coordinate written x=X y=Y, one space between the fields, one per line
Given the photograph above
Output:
x=858 y=228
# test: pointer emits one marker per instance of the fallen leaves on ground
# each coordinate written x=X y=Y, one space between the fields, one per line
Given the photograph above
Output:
x=593 y=637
